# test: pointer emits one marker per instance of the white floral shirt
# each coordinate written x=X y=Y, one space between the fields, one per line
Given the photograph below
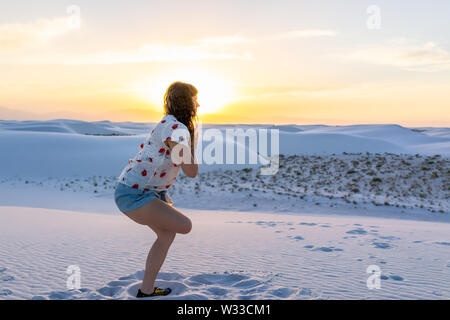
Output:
x=152 y=168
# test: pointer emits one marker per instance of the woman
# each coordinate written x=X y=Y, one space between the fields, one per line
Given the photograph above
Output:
x=141 y=190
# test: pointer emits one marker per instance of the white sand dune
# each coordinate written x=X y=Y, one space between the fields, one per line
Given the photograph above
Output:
x=65 y=147
x=76 y=126
x=228 y=255
x=344 y=198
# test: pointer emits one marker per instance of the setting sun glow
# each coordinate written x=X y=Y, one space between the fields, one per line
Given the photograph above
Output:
x=214 y=92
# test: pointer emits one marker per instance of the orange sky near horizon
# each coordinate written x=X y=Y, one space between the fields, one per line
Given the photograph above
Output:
x=291 y=64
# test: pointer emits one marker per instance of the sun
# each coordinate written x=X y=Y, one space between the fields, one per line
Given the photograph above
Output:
x=214 y=92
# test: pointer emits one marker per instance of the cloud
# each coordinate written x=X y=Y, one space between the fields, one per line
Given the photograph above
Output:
x=428 y=57
x=19 y=35
x=27 y=43
x=305 y=34
x=237 y=39
x=31 y=38
x=225 y=40
x=269 y=91
x=157 y=52
x=151 y=52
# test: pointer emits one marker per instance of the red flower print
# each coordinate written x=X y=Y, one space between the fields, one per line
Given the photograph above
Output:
x=162 y=174
x=168 y=138
x=163 y=121
x=135 y=186
x=161 y=150
x=144 y=172
x=149 y=142
x=129 y=161
x=146 y=189
x=167 y=152
x=175 y=126
x=142 y=145
x=174 y=164
x=123 y=179
x=167 y=187
x=129 y=169
x=150 y=159
x=181 y=139
x=154 y=173
x=153 y=130
x=139 y=160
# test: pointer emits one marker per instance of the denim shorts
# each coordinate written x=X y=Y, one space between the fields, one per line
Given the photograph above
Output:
x=128 y=198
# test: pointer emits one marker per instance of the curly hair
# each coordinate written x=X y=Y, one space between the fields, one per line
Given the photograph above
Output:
x=178 y=102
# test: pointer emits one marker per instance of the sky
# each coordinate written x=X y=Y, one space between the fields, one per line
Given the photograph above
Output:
x=281 y=62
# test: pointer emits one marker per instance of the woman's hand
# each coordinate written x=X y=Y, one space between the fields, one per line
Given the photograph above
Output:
x=189 y=162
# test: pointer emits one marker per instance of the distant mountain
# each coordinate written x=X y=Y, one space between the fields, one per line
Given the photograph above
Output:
x=13 y=114
x=141 y=115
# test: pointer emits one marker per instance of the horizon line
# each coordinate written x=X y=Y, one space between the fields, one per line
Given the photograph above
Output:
x=252 y=124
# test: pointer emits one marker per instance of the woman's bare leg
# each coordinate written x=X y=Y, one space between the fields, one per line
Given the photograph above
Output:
x=165 y=221
x=155 y=259
x=158 y=215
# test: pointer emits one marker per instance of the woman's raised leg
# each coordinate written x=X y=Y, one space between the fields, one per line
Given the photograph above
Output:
x=159 y=215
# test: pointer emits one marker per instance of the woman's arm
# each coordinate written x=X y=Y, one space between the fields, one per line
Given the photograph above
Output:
x=189 y=166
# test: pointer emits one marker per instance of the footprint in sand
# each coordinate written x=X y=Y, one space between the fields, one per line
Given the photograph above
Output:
x=4 y=277
x=357 y=231
x=396 y=278
x=389 y=238
x=217 y=291
x=308 y=224
x=5 y=292
x=226 y=285
x=266 y=223
x=444 y=243
x=305 y=292
x=282 y=292
x=114 y=288
x=227 y=279
x=382 y=245
x=326 y=249
x=246 y=297
x=393 y=277
x=296 y=237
